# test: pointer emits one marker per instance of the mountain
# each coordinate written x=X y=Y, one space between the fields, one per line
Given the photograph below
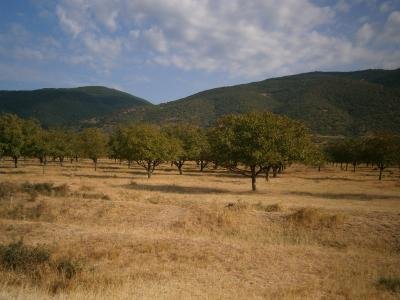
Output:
x=68 y=106
x=330 y=103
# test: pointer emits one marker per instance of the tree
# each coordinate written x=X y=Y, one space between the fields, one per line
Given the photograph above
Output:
x=191 y=142
x=205 y=155
x=60 y=144
x=250 y=143
x=381 y=150
x=148 y=146
x=94 y=144
x=12 y=136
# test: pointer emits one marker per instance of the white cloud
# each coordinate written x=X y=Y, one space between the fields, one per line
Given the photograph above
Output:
x=365 y=34
x=242 y=38
x=343 y=6
x=392 y=28
x=156 y=39
x=385 y=7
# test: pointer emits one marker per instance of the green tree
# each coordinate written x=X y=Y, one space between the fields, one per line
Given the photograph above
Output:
x=381 y=150
x=60 y=144
x=191 y=140
x=250 y=143
x=148 y=146
x=94 y=143
x=12 y=137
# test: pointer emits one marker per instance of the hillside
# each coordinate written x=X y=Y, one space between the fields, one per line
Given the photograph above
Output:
x=328 y=102
x=68 y=106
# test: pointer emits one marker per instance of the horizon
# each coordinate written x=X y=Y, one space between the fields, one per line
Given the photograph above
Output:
x=164 y=51
x=195 y=92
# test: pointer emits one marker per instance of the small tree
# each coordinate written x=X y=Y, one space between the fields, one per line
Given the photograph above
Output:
x=248 y=144
x=94 y=144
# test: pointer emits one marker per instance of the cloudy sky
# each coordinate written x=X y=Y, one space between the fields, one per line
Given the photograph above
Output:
x=167 y=49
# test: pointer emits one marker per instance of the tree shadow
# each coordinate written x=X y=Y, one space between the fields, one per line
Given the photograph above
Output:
x=345 y=196
x=176 y=189
x=329 y=178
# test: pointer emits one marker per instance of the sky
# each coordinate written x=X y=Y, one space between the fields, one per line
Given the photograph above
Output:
x=163 y=50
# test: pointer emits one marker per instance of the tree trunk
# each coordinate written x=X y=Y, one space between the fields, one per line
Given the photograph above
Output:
x=149 y=170
x=354 y=167
x=274 y=172
x=203 y=165
x=319 y=168
x=15 y=162
x=380 y=172
x=180 y=169
x=267 y=174
x=253 y=178
x=347 y=166
x=95 y=164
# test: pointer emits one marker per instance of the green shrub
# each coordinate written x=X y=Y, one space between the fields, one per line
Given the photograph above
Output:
x=19 y=257
x=66 y=268
x=389 y=283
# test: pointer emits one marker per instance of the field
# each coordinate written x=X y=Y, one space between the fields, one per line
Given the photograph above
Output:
x=306 y=234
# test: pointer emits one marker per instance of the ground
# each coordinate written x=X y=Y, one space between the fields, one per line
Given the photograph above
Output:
x=306 y=234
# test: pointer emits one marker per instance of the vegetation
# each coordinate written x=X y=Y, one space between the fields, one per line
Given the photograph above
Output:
x=329 y=103
x=380 y=150
x=259 y=142
x=73 y=107
x=347 y=103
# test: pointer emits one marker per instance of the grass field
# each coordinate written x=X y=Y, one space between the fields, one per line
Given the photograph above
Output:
x=306 y=234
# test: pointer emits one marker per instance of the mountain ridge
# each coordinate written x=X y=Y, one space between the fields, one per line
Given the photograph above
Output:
x=330 y=103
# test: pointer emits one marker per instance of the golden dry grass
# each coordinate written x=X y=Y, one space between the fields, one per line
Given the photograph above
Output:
x=306 y=234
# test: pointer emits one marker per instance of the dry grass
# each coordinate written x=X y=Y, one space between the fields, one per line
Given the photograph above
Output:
x=305 y=234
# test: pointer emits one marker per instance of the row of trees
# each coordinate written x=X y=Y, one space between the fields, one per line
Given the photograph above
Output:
x=380 y=150
x=26 y=138
x=250 y=144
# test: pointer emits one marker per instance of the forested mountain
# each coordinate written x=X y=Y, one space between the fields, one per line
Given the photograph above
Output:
x=68 y=106
x=330 y=103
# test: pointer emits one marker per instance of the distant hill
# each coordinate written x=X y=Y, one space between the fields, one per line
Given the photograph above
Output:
x=330 y=103
x=68 y=106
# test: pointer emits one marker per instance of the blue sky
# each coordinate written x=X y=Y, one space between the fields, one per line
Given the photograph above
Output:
x=166 y=49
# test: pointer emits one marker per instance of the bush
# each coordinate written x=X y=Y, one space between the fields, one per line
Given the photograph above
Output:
x=391 y=284
x=19 y=257
x=8 y=189
x=315 y=218
x=66 y=268
x=46 y=188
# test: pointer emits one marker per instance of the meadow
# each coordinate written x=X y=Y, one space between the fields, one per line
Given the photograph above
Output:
x=115 y=234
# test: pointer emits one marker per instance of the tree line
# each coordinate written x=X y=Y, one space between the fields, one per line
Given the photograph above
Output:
x=251 y=144
x=376 y=150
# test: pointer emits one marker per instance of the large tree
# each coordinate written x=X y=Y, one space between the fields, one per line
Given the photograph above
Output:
x=148 y=146
x=94 y=144
x=250 y=143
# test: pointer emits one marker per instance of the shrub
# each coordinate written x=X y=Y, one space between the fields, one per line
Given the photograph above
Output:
x=66 y=268
x=8 y=189
x=19 y=257
x=391 y=284
x=268 y=208
x=315 y=218
x=45 y=188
